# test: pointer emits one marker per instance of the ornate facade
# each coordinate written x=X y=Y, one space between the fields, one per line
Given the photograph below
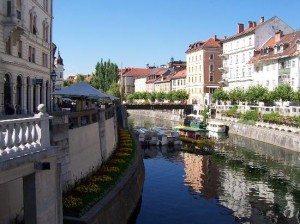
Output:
x=26 y=55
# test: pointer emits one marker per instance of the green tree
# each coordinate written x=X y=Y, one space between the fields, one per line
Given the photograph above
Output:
x=181 y=95
x=283 y=92
x=114 y=90
x=296 y=96
x=220 y=94
x=106 y=73
x=67 y=83
x=236 y=95
x=255 y=94
x=160 y=96
x=79 y=78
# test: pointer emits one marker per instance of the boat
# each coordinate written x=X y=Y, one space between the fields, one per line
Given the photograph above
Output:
x=217 y=126
x=197 y=136
x=167 y=137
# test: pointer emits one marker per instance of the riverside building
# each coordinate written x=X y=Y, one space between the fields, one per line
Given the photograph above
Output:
x=238 y=50
x=26 y=59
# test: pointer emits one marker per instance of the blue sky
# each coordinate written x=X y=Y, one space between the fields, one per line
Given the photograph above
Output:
x=134 y=33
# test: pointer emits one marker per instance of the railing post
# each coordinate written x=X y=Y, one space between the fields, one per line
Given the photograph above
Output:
x=41 y=129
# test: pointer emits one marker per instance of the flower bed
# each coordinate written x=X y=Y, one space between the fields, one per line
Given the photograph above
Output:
x=89 y=190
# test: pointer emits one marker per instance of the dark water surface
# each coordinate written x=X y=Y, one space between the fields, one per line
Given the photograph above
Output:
x=243 y=181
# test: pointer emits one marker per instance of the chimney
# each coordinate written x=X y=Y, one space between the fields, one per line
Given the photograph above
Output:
x=278 y=36
x=262 y=19
x=240 y=27
x=250 y=24
x=215 y=37
x=254 y=24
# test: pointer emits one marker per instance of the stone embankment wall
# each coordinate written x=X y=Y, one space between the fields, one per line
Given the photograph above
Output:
x=166 y=115
x=118 y=206
x=279 y=138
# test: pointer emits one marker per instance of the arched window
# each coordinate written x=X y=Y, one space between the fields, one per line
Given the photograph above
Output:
x=8 y=107
x=19 y=95
x=33 y=19
x=45 y=31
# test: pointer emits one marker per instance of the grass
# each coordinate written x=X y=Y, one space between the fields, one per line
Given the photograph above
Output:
x=89 y=190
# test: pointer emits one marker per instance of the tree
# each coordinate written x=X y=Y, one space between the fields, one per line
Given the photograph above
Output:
x=283 y=92
x=255 y=94
x=160 y=96
x=114 y=90
x=67 y=83
x=236 y=95
x=296 y=95
x=106 y=73
x=220 y=94
x=79 y=78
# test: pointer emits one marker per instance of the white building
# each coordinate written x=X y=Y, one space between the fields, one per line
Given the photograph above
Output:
x=277 y=61
x=26 y=55
x=178 y=80
x=239 y=49
x=59 y=70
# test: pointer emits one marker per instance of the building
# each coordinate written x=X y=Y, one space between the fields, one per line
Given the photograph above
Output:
x=277 y=61
x=26 y=55
x=59 y=70
x=128 y=79
x=202 y=75
x=239 y=49
x=178 y=80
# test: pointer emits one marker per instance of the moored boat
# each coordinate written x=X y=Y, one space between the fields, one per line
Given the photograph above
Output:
x=217 y=126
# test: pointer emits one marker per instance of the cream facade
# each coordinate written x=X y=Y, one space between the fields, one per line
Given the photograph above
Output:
x=25 y=55
x=194 y=76
x=237 y=71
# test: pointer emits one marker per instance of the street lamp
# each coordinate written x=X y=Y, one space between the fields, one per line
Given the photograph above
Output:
x=53 y=79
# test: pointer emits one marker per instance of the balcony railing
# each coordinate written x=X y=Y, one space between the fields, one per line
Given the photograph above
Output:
x=19 y=137
x=284 y=71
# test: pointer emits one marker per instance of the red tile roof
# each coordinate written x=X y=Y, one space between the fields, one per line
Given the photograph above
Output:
x=212 y=42
x=290 y=48
x=180 y=75
x=136 y=72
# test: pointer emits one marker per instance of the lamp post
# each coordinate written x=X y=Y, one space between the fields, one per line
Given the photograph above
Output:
x=53 y=79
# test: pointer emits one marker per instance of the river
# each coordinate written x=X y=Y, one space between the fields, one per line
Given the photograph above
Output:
x=243 y=181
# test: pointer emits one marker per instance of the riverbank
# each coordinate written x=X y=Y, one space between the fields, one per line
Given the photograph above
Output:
x=284 y=139
x=119 y=204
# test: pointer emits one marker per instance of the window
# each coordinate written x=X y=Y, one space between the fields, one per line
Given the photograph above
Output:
x=8 y=9
x=211 y=68
x=211 y=57
x=293 y=64
x=211 y=78
x=8 y=46
x=31 y=54
x=46 y=5
x=33 y=28
x=19 y=16
x=243 y=58
x=45 y=60
x=20 y=49
x=45 y=31
x=236 y=59
x=243 y=72
x=250 y=41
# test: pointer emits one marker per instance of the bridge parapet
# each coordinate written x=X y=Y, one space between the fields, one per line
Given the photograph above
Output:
x=24 y=136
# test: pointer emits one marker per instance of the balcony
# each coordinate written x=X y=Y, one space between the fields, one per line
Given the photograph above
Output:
x=284 y=71
x=223 y=56
x=224 y=69
x=13 y=26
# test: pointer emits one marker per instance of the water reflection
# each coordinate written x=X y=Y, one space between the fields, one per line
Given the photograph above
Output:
x=243 y=181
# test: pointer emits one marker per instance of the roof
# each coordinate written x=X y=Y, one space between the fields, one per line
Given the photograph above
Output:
x=180 y=75
x=81 y=89
x=249 y=30
x=289 y=43
x=135 y=72
x=211 y=42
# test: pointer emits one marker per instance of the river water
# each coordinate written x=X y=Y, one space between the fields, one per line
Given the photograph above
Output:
x=243 y=181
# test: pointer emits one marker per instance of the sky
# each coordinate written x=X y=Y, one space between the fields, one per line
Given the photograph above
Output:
x=133 y=33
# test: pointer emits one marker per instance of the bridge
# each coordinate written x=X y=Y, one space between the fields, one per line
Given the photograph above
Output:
x=188 y=108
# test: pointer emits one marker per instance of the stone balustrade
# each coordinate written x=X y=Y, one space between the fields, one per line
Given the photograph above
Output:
x=19 y=137
x=285 y=111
